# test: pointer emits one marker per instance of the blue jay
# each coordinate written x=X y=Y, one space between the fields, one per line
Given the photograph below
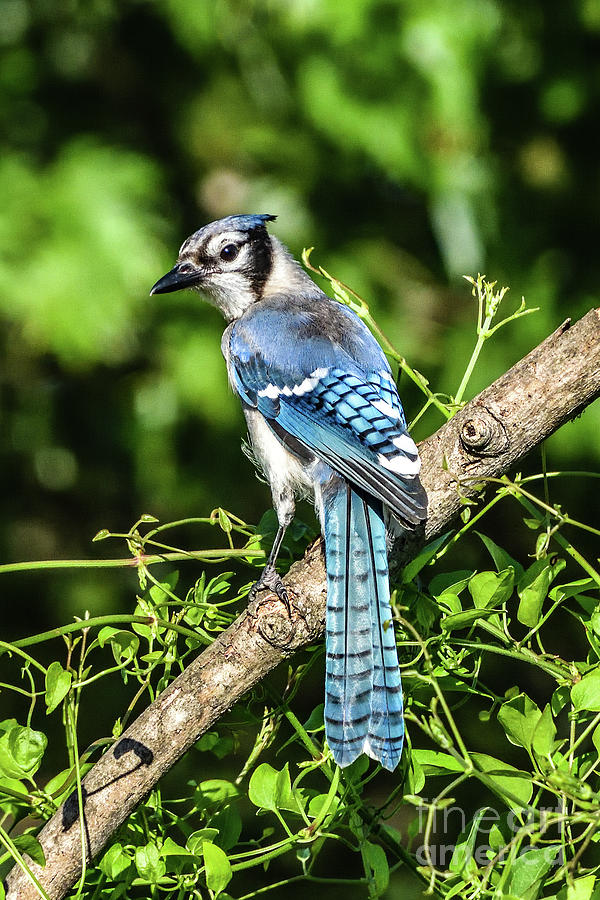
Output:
x=324 y=419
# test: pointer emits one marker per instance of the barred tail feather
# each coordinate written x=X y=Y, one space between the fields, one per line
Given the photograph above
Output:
x=363 y=694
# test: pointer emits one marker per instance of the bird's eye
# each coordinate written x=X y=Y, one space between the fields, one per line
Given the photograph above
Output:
x=229 y=252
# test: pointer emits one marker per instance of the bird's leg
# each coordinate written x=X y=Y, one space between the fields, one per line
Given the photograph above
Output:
x=270 y=578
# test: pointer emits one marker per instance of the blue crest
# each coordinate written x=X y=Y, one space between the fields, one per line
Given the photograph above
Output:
x=248 y=222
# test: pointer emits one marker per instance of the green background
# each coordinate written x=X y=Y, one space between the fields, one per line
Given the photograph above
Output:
x=409 y=143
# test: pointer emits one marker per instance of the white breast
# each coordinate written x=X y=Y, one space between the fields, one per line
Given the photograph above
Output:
x=282 y=469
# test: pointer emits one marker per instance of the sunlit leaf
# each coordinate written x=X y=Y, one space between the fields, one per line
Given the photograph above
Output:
x=519 y=718
x=502 y=559
x=489 y=589
x=544 y=734
x=509 y=781
x=376 y=866
x=21 y=750
x=533 y=588
x=218 y=868
x=529 y=870
x=149 y=864
x=585 y=694
x=58 y=682
x=423 y=558
x=115 y=861
x=29 y=844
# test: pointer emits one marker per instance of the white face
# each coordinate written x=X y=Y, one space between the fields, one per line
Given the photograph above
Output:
x=226 y=248
x=234 y=266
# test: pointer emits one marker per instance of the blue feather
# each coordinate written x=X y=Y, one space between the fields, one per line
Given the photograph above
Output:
x=246 y=223
x=363 y=693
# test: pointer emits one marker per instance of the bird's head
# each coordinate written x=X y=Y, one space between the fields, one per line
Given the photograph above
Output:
x=229 y=260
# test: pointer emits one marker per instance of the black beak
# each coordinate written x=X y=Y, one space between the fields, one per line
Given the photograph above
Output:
x=181 y=276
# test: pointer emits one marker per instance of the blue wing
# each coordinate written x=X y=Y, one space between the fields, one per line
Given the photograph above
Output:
x=322 y=382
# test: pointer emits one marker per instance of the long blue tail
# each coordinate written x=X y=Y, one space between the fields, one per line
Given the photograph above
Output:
x=363 y=692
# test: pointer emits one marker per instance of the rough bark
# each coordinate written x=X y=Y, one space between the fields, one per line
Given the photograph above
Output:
x=551 y=385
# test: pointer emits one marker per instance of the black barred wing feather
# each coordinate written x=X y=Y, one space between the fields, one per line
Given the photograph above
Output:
x=352 y=421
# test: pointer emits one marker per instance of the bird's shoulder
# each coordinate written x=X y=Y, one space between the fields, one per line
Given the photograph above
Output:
x=306 y=331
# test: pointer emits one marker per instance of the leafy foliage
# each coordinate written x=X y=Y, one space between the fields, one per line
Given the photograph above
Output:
x=412 y=142
x=519 y=822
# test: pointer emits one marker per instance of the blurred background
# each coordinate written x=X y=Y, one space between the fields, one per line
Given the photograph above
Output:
x=409 y=143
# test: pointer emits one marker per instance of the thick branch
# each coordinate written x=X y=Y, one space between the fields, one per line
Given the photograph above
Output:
x=551 y=385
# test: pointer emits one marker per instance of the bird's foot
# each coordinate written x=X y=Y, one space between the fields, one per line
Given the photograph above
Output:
x=270 y=580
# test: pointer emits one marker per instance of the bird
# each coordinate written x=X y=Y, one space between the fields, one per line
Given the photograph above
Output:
x=325 y=419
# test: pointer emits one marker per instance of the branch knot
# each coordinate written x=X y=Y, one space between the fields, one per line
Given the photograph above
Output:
x=484 y=434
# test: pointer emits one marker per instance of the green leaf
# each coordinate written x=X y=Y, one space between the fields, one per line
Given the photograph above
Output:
x=172 y=848
x=263 y=787
x=571 y=589
x=315 y=721
x=21 y=751
x=224 y=521
x=506 y=778
x=160 y=592
x=519 y=718
x=270 y=789
x=229 y=824
x=533 y=588
x=124 y=646
x=58 y=682
x=317 y=803
x=457 y=889
x=579 y=889
x=415 y=777
x=114 y=862
x=463 y=861
x=30 y=845
x=585 y=694
x=544 y=733
x=489 y=589
x=560 y=698
x=435 y=762
x=453 y=582
x=596 y=738
x=424 y=557
x=218 y=867
x=208 y=740
x=105 y=634
x=502 y=559
x=529 y=870
x=8 y=803
x=124 y=643
x=466 y=618
x=219 y=746
x=149 y=864
x=215 y=790
x=220 y=584
x=355 y=771
x=197 y=838
x=376 y=866
x=450 y=602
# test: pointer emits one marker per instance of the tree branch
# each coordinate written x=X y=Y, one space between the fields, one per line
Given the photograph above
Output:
x=492 y=433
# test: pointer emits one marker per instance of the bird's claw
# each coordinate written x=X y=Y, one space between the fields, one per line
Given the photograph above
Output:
x=270 y=580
